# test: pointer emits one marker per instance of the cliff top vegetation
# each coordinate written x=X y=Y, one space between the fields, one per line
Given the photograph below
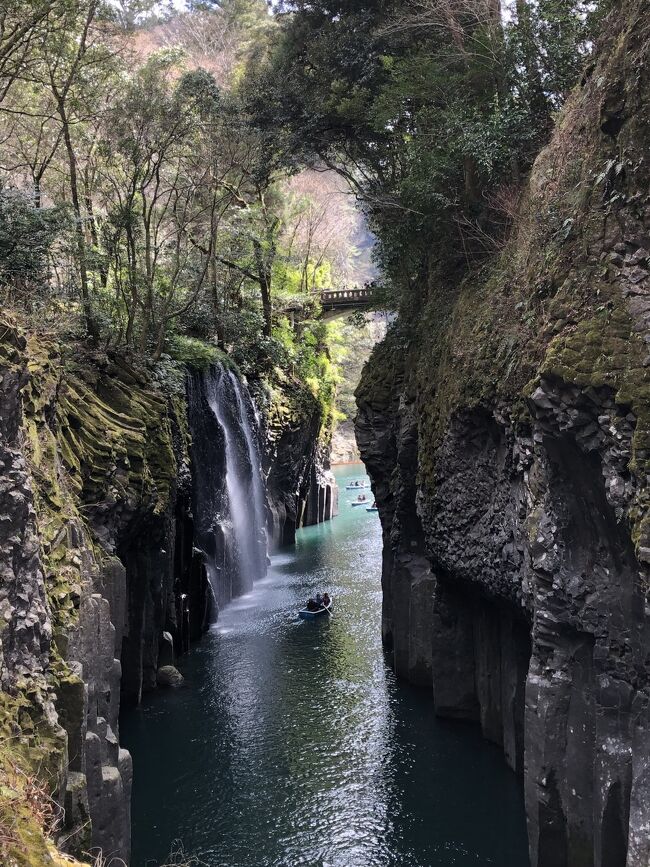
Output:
x=142 y=207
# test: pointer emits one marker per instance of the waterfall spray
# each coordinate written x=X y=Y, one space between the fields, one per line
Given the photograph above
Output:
x=229 y=507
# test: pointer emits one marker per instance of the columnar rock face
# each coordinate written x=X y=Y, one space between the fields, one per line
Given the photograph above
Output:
x=301 y=489
x=96 y=548
x=104 y=537
x=508 y=450
x=27 y=626
x=321 y=502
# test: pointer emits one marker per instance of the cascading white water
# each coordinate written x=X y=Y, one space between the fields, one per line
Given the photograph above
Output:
x=248 y=414
x=230 y=514
x=243 y=479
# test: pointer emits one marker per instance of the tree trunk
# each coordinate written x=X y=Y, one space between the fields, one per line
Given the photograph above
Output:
x=529 y=50
x=218 y=313
x=91 y=325
x=37 y=192
x=264 y=279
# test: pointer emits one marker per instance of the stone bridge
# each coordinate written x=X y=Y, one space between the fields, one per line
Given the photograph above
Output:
x=338 y=302
x=335 y=302
x=344 y=299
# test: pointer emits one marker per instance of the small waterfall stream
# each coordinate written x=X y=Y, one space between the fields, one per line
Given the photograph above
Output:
x=249 y=418
x=229 y=499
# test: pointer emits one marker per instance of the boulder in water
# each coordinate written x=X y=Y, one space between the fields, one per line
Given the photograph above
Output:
x=168 y=677
x=166 y=650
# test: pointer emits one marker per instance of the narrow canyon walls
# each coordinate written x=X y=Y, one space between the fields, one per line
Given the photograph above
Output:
x=506 y=434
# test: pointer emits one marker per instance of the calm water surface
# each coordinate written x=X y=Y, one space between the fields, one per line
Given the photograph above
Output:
x=292 y=744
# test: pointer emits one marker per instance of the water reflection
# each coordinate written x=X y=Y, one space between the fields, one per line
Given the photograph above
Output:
x=292 y=745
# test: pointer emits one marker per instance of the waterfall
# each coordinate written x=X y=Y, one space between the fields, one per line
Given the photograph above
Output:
x=229 y=493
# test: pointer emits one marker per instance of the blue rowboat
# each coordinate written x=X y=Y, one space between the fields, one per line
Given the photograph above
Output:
x=372 y=509
x=355 y=487
x=360 y=503
x=306 y=614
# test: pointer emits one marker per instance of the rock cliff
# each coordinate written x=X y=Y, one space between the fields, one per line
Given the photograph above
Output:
x=103 y=579
x=301 y=488
x=507 y=436
x=95 y=475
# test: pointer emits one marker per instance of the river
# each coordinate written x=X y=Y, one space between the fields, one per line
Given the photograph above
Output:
x=292 y=744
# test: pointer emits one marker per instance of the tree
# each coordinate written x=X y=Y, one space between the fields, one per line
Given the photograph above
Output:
x=433 y=111
x=68 y=62
x=23 y=26
x=132 y=13
x=26 y=237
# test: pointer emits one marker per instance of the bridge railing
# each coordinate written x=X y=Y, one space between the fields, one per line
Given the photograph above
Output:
x=345 y=296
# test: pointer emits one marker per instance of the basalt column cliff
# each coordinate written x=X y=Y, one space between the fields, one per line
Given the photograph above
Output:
x=120 y=539
x=508 y=439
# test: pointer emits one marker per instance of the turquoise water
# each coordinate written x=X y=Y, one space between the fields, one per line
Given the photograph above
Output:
x=292 y=744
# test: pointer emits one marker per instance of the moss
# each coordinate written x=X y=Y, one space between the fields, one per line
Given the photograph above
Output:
x=552 y=303
x=290 y=405
x=196 y=354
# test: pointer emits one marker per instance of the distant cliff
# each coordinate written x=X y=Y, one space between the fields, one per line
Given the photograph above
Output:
x=358 y=341
x=507 y=435
x=301 y=490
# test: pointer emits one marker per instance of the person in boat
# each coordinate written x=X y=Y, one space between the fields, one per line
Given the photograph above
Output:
x=374 y=504
x=361 y=498
x=312 y=605
x=319 y=600
x=326 y=600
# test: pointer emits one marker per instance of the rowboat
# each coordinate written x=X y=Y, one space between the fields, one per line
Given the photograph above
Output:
x=355 y=487
x=359 y=503
x=306 y=614
x=372 y=509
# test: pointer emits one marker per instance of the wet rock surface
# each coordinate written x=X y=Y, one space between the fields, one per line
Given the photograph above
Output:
x=301 y=490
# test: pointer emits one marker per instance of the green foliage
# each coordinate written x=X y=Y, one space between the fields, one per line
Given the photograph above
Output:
x=434 y=112
x=130 y=14
x=26 y=237
x=192 y=352
x=157 y=215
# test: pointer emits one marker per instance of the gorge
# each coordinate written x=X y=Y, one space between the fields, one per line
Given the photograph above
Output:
x=295 y=744
x=180 y=188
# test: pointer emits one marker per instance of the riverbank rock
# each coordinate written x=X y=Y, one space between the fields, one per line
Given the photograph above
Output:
x=507 y=436
x=169 y=677
x=300 y=487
